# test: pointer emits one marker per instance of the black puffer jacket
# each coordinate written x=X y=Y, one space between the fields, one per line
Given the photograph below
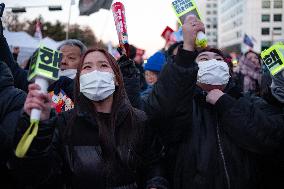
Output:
x=216 y=145
x=11 y=103
x=69 y=146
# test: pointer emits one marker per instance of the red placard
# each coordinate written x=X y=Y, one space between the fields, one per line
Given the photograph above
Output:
x=120 y=23
x=167 y=33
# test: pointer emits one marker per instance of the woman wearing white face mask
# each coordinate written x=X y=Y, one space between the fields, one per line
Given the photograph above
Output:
x=103 y=143
x=218 y=131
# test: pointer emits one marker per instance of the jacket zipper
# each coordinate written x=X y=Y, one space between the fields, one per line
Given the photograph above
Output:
x=223 y=157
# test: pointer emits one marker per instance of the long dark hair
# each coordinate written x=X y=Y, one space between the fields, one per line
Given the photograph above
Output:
x=107 y=132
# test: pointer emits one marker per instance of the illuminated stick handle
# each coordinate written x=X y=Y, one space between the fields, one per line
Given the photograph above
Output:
x=201 y=39
x=26 y=140
x=43 y=83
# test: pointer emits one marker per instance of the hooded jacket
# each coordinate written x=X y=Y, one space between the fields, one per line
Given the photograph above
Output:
x=213 y=146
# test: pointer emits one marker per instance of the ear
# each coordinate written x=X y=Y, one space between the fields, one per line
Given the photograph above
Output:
x=116 y=83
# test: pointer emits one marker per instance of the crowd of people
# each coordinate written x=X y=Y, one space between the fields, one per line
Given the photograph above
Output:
x=186 y=119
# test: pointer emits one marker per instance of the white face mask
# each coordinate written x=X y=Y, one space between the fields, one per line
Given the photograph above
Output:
x=97 y=85
x=70 y=73
x=213 y=72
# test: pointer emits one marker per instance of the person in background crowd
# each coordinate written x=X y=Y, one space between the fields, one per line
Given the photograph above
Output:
x=248 y=73
x=11 y=103
x=61 y=90
x=216 y=132
x=152 y=69
x=137 y=56
x=272 y=166
x=26 y=64
x=103 y=143
x=16 y=51
x=172 y=51
x=277 y=86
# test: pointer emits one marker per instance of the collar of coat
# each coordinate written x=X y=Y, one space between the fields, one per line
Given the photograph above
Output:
x=231 y=89
x=123 y=110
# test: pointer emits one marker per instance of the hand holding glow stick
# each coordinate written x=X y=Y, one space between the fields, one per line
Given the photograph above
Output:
x=120 y=23
x=185 y=8
x=44 y=67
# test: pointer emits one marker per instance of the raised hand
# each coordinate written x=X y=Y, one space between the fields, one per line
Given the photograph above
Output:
x=192 y=25
x=38 y=100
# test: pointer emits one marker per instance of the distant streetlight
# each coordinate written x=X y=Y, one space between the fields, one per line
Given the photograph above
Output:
x=23 y=9
x=18 y=9
x=54 y=8
x=72 y=2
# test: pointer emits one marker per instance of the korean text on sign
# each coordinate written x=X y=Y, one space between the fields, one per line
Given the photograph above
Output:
x=274 y=58
x=182 y=5
x=45 y=63
x=183 y=8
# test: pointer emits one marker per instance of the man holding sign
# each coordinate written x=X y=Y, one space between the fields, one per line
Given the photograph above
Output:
x=215 y=132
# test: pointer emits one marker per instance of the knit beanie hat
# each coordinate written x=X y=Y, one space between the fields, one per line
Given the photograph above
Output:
x=155 y=62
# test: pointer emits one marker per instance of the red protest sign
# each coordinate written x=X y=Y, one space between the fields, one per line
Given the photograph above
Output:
x=167 y=33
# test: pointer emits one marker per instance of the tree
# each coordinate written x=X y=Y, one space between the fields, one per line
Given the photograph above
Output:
x=56 y=31
x=86 y=35
x=30 y=27
x=12 y=23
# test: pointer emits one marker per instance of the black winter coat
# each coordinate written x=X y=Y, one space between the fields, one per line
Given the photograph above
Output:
x=271 y=166
x=216 y=146
x=11 y=103
x=69 y=146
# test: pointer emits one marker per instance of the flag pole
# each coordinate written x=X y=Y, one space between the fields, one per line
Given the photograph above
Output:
x=68 y=23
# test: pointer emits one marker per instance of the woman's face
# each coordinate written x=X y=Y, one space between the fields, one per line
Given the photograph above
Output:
x=205 y=56
x=95 y=61
x=253 y=58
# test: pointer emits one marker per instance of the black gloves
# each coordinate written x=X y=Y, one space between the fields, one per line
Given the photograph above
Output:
x=127 y=67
